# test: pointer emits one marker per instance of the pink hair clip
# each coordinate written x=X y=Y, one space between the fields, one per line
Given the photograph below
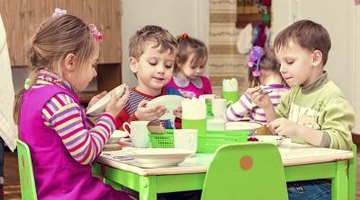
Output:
x=95 y=33
x=58 y=12
x=256 y=54
x=184 y=36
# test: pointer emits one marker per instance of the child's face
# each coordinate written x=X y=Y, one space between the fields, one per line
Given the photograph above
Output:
x=80 y=78
x=153 y=69
x=190 y=71
x=298 y=65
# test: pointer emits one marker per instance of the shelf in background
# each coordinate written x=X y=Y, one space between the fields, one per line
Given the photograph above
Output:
x=108 y=77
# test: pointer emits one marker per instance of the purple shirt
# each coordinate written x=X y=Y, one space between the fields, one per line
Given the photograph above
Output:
x=57 y=174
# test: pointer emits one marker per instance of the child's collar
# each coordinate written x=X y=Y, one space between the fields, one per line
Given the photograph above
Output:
x=54 y=79
x=320 y=81
x=184 y=82
x=148 y=95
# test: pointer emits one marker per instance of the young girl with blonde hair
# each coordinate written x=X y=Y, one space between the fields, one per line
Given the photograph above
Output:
x=62 y=141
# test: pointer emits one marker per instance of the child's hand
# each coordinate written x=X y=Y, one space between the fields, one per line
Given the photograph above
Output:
x=284 y=127
x=260 y=99
x=125 y=142
x=96 y=98
x=149 y=113
x=178 y=112
x=115 y=105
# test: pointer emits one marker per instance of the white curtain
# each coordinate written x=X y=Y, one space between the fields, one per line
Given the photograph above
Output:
x=8 y=129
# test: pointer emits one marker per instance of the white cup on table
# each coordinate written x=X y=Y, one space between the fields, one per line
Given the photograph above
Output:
x=138 y=133
x=219 y=107
x=186 y=139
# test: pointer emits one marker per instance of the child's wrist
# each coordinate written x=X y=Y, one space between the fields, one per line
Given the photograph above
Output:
x=267 y=107
x=111 y=114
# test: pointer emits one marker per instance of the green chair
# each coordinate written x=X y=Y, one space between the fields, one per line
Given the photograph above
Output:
x=27 y=181
x=251 y=171
x=352 y=174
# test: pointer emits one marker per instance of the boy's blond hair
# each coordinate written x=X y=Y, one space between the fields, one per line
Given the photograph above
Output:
x=308 y=34
x=151 y=33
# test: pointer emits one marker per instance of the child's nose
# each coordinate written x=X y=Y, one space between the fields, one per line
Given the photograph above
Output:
x=161 y=69
x=282 y=68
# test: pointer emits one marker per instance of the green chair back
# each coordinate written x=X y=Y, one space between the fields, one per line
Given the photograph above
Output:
x=27 y=181
x=251 y=171
x=352 y=174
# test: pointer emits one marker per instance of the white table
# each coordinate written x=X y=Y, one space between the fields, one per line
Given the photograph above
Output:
x=301 y=162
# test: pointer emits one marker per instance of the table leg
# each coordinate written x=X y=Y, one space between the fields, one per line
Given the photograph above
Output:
x=147 y=188
x=352 y=174
x=340 y=184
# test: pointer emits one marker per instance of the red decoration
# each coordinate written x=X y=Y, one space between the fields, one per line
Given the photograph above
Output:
x=246 y=162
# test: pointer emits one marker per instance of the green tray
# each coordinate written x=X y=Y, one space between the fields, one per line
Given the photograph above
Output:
x=206 y=143
x=215 y=139
x=165 y=140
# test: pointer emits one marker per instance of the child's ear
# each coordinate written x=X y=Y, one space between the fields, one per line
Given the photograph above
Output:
x=70 y=62
x=317 y=58
x=133 y=64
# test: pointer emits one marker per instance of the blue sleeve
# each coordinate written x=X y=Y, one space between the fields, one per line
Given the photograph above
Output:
x=173 y=91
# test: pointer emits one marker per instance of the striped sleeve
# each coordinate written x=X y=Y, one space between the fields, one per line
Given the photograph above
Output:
x=63 y=114
x=239 y=109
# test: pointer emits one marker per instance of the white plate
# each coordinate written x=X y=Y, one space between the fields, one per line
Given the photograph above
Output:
x=159 y=157
x=273 y=139
x=171 y=102
x=99 y=106
x=215 y=124
x=116 y=136
x=243 y=126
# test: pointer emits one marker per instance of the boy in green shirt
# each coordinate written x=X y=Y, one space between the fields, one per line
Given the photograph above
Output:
x=315 y=110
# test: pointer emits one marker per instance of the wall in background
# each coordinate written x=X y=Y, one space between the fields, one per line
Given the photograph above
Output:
x=341 y=19
x=224 y=59
x=193 y=17
x=178 y=16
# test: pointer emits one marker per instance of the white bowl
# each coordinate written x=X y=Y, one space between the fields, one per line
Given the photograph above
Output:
x=171 y=102
x=159 y=157
x=116 y=136
x=99 y=107
x=243 y=126
x=215 y=124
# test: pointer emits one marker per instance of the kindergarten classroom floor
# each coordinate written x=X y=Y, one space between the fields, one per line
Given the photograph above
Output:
x=12 y=184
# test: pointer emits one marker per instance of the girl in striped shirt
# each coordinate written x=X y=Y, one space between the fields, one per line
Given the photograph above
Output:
x=264 y=71
x=62 y=141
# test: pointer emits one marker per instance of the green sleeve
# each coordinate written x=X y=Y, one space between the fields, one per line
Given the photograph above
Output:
x=337 y=120
x=283 y=108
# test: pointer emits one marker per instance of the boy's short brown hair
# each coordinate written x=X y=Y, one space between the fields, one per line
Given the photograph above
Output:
x=157 y=34
x=308 y=35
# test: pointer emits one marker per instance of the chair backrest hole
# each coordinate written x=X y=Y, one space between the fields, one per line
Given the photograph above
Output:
x=246 y=162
